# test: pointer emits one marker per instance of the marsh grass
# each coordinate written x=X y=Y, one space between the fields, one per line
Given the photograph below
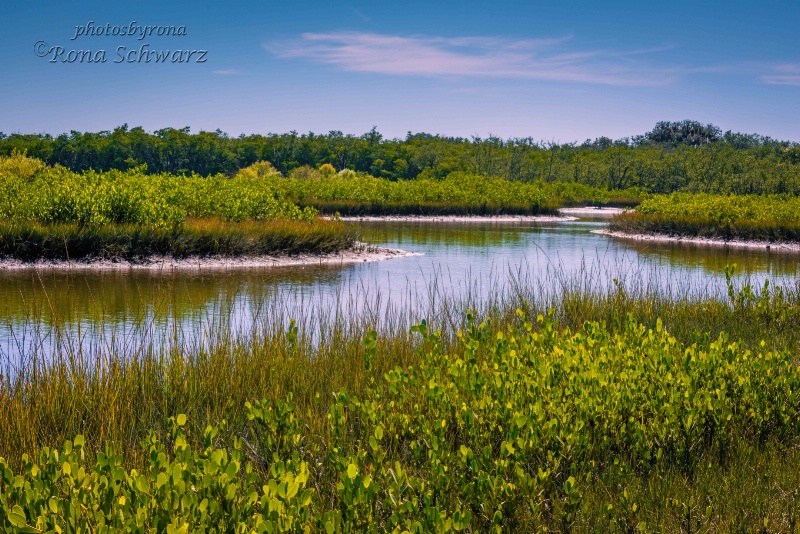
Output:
x=355 y=208
x=117 y=385
x=31 y=241
x=726 y=217
x=209 y=373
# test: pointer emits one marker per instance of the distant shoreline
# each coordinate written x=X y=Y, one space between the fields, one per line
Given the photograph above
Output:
x=456 y=218
x=565 y=214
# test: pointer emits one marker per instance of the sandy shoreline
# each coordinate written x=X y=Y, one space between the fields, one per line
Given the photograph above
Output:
x=362 y=253
x=659 y=238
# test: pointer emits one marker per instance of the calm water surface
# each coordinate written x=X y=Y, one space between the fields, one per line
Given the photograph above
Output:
x=94 y=311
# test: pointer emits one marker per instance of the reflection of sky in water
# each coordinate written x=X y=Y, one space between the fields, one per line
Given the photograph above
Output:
x=102 y=311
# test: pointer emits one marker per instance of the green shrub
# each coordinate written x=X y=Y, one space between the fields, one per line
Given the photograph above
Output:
x=509 y=430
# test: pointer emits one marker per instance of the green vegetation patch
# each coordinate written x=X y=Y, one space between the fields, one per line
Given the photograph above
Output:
x=54 y=213
x=459 y=193
x=749 y=217
x=194 y=238
x=31 y=191
x=674 y=156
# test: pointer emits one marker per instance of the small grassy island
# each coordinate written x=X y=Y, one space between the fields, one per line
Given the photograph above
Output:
x=770 y=218
x=52 y=213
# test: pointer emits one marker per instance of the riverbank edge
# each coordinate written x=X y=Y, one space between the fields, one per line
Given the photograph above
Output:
x=565 y=215
x=457 y=218
x=360 y=253
x=665 y=238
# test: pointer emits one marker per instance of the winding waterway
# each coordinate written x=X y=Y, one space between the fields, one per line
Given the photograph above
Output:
x=94 y=311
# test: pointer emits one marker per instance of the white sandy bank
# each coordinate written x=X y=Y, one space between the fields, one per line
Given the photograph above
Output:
x=361 y=253
x=657 y=238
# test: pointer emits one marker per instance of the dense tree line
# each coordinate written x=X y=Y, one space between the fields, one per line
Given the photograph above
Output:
x=674 y=156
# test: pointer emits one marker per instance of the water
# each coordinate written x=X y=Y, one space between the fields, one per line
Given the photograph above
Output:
x=97 y=312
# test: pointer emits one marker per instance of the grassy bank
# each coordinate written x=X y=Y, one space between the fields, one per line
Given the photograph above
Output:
x=620 y=409
x=32 y=191
x=194 y=238
x=51 y=213
x=726 y=217
x=706 y=227
x=355 y=208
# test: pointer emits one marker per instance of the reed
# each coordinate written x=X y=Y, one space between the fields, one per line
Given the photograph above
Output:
x=563 y=405
x=356 y=208
x=706 y=227
x=31 y=241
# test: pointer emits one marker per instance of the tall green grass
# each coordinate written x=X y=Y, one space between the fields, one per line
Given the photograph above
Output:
x=615 y=456
x=706 y=227
x=31 y=241
x=225 y=363
x=377 y=208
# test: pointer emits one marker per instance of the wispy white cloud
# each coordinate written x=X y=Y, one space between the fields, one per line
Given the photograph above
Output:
x=227 y=72
x=787 y=74
x=360 y=15
x=486 y=57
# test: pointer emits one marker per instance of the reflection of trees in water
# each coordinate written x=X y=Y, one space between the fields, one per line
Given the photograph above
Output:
x=105 y=297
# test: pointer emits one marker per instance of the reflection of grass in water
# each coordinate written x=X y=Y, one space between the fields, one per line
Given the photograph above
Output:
x=102 y=296
x=72 y=298
x=110 y=397
x=714 y=258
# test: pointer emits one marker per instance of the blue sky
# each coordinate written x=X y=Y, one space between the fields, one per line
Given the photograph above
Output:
x=563 y=71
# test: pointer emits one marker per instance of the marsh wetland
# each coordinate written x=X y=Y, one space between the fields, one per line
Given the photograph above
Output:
x=523 y=373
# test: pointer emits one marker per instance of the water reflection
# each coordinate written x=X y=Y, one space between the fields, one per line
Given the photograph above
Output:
x=571 y=244
x=125 y=296
x=713 y=259
x=102 y=310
